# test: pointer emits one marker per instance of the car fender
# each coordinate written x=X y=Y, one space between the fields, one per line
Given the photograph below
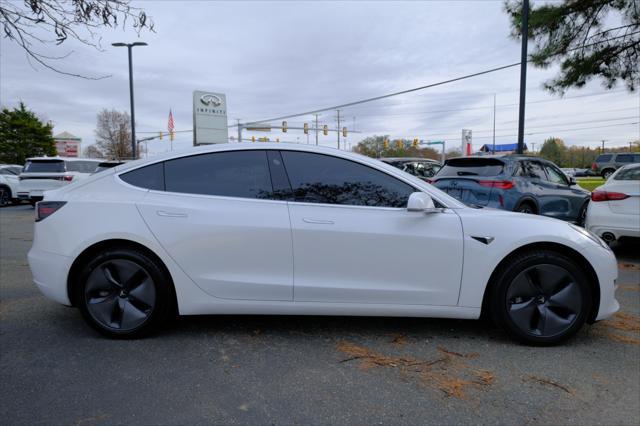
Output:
x=505 y=232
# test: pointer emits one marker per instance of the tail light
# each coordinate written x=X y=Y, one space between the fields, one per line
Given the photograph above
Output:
x=430 y=180
x=44 y=209
x=500 y=184
x=67 y=178
x=594 y=166
x=607 y=196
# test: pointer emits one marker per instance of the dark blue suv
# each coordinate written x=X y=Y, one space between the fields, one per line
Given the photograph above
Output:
x=514 y=182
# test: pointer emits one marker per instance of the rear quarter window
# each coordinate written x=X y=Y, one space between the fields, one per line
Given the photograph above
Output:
x=472 y=167
x=603 y=158
x=148 y=177
x=82 y=166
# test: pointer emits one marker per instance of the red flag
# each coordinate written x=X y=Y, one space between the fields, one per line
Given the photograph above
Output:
x=171 y=124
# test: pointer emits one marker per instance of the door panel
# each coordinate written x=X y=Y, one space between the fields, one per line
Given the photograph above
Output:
x=375 y=255
x=231 y=248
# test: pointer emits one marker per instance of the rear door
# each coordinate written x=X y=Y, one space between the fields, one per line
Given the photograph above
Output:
x=217 y=216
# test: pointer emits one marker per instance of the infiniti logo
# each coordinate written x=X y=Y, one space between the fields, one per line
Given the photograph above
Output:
x=211 y=100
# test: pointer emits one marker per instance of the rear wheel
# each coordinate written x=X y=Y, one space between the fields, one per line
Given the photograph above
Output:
x=5 y=196
x=123 y=293
x=526 y=207
x=606 y=173
x=541 y=297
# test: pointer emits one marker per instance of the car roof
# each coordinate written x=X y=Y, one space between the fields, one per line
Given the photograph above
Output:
x=430 y=160
x=58 y=158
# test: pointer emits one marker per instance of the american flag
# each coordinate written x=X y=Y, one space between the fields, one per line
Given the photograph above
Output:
x=170 y=124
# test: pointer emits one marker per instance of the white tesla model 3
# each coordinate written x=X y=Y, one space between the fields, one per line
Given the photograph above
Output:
x=299 y=230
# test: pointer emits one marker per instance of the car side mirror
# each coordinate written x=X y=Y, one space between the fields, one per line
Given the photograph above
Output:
x=421 y=202
x=572 y=181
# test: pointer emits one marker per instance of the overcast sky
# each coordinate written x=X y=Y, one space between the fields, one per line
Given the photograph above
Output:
x=272 y=59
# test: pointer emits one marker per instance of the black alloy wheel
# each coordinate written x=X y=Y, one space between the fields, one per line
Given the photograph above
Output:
x=123 y=293
x=526 y=208
x=541 y=297
x=5 y=196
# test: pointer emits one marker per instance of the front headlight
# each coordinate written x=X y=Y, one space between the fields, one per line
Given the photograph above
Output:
x=593 y=237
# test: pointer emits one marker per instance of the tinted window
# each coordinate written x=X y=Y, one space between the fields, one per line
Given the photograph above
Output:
x=149 y=177
x=603 y=158
x=317 y=178
x=472 y=167
x=636 y=158
x=233 y=174
x=628 y=174
x=82 y=166
x=531 y=169
x=417 y=168
x=44 y=166
x=624 y=158
x=279 y=179
x=555 y=175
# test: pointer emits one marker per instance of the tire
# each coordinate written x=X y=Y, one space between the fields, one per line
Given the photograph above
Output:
x=582 y=215
x=606 y=173
x=526 y=207
x=123 y=293
x=540 y=297
x=5 y=196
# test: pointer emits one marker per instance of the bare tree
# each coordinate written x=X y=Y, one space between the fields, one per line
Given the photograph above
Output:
x=33 y=23
x=113 y=134
x=92 y=151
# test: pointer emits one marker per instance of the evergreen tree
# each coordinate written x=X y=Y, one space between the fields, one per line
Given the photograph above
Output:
x=23 y=135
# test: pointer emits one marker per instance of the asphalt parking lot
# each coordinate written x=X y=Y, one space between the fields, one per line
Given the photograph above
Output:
x=305 y=370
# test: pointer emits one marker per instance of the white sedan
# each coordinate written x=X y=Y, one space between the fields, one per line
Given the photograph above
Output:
x=614 y=210
x=299 y=230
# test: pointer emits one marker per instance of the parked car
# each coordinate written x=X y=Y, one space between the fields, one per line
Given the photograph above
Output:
x=516 y=183
x=9 y=183
x=45 y=173
x=424 y=168
x=569 y=172
x=614 y=211
x=606 y=164
x=584 y=173
x=233 y=229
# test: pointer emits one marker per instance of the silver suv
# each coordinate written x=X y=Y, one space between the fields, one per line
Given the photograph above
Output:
x=606 y=164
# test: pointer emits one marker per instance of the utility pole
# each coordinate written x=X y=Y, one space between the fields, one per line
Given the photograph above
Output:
x=603 y=141
x=338 y=132
x=533 y=147
x=523 y=74
x=494 y=123
x=316 y=129
x=239 y=131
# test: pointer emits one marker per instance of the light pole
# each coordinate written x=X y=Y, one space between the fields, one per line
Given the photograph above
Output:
x=129 y=46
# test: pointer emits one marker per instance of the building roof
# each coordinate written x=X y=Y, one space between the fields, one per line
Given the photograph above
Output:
x=66 y=135
x=501 y=147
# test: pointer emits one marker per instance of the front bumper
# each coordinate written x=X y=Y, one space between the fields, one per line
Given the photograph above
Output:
x=50 y=272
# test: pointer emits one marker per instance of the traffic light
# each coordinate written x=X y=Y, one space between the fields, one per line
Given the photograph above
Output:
x=385 y=144
x=284 y=127
x=160 y=135
x=325 y=130
x=344 y=132
x=306 y=128
x=253 y=138
x=415 y=142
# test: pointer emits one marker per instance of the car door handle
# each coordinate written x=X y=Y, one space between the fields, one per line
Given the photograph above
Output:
x=164 y=213
x=317 y=221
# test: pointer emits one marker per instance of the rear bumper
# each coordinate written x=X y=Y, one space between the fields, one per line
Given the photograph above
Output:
x=50 y=272
x=600 y=219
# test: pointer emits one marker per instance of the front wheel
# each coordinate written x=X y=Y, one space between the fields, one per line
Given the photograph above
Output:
x=123 y=293
x=541 y=297
x=5 y=196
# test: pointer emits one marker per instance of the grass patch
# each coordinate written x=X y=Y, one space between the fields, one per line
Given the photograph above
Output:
x=590 y=183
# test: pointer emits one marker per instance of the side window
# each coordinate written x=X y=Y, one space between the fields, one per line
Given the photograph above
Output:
x=636 y=158
x=603 y=158
x=624 y=158
x=233 y=174
x=279 y=179
x=317 y=178
x=531 y=170
x=148 y=177
x=555 y=175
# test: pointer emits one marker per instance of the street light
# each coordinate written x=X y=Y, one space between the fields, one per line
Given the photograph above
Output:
x=129 y=46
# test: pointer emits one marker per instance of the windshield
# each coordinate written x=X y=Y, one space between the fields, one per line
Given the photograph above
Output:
x=471 y=167
x=44 y=166
x=631 y=173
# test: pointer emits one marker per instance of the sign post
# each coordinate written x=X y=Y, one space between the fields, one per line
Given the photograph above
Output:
x=209 y=118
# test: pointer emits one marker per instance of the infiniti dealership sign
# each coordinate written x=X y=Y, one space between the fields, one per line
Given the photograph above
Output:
x=209 y=118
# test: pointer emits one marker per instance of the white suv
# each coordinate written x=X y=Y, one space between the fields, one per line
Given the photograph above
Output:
x=9 y=183
x=45 y=173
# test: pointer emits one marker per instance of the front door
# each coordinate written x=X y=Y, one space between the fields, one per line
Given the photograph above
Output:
x=355 y=242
